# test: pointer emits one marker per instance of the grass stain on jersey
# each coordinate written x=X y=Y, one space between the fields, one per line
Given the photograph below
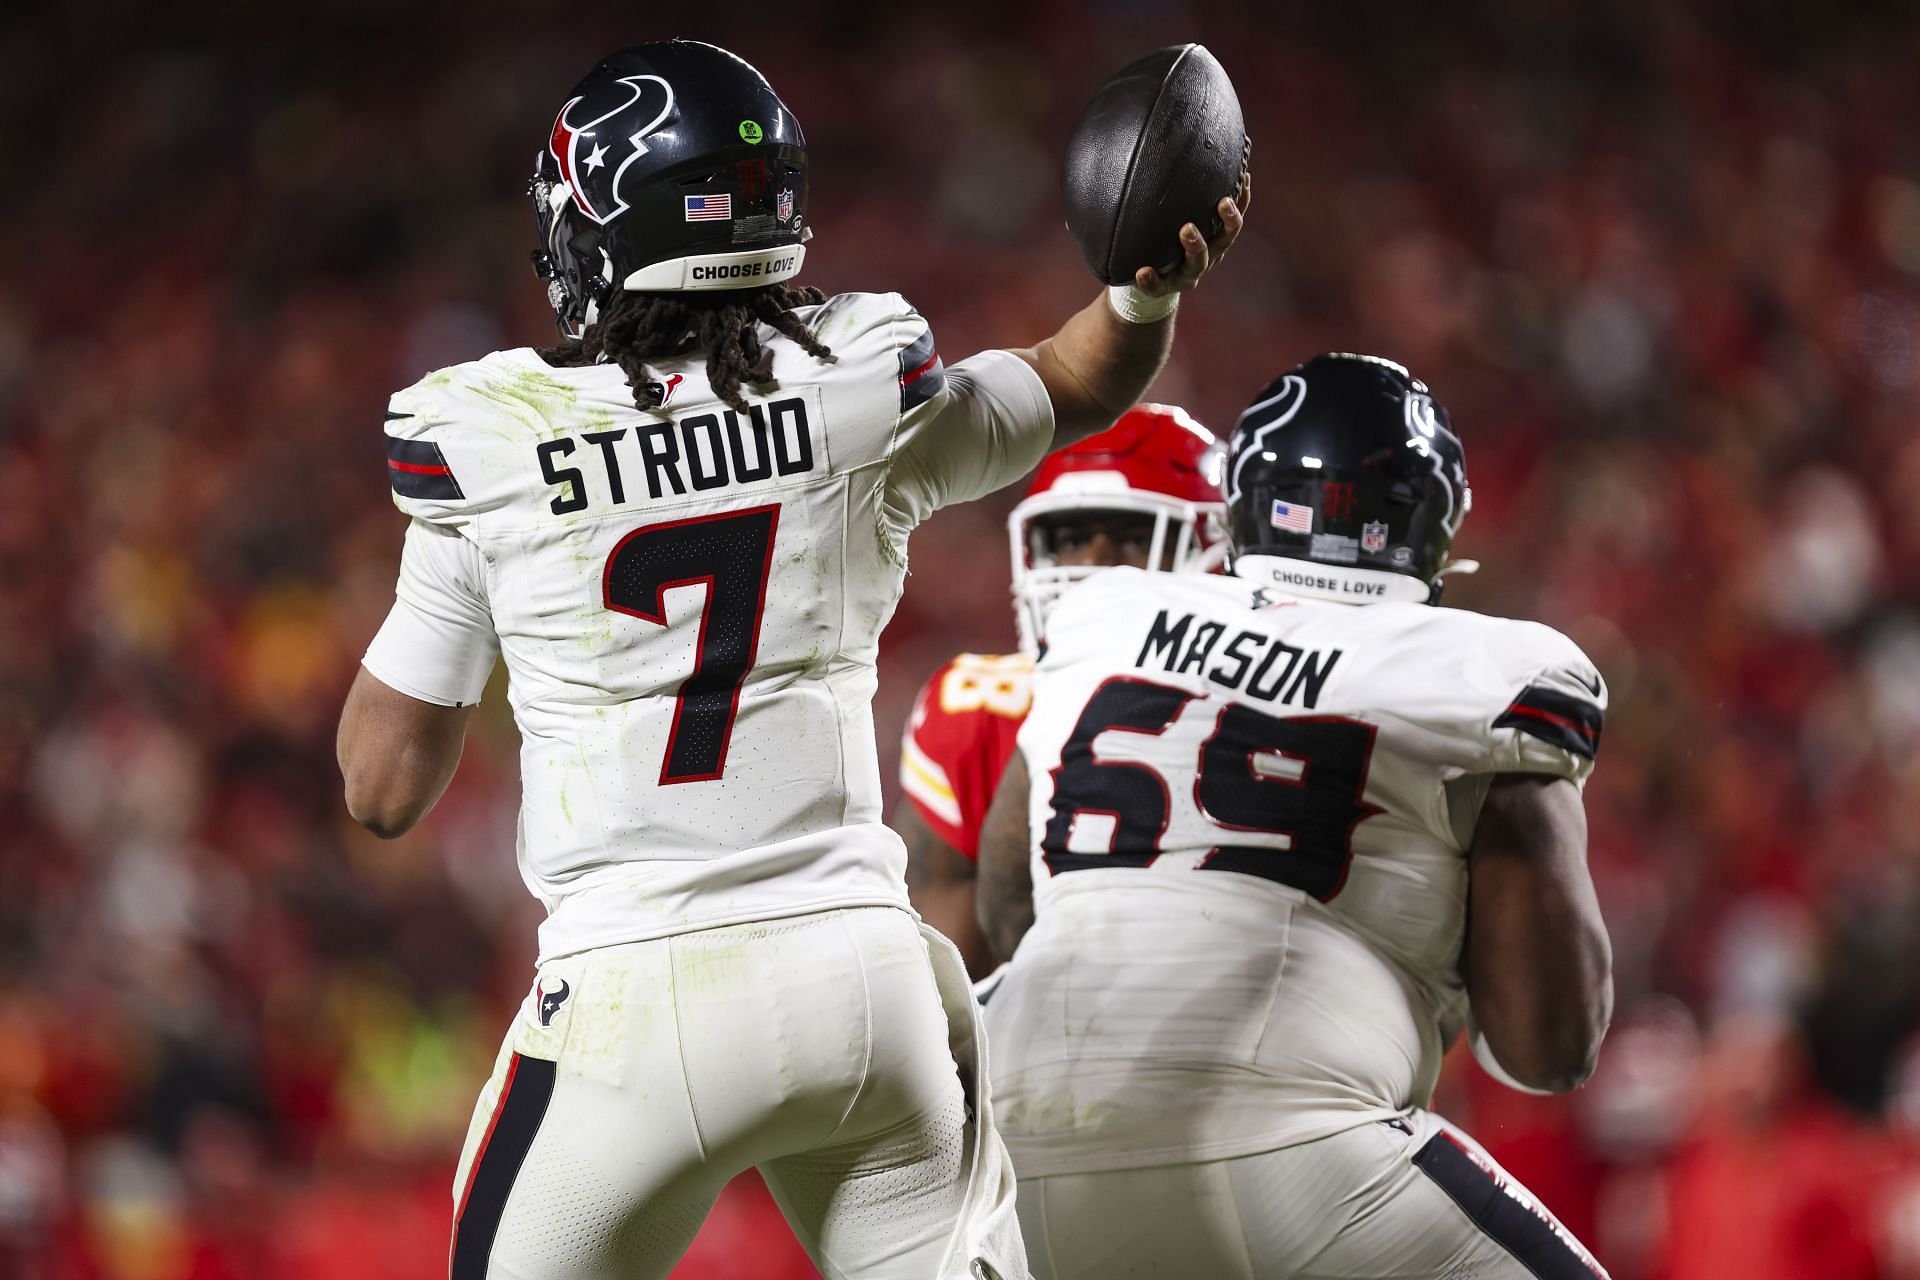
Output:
x=529 y=390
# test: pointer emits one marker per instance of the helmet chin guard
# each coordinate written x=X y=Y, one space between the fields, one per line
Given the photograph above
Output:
x=1185 y=534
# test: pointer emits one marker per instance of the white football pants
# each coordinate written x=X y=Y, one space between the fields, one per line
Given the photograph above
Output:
x=638 y=1079
x=1394 y=1200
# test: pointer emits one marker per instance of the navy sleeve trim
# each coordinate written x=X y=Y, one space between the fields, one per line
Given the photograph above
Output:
x=922 y=376
x=1559 y=719
x=418 y=469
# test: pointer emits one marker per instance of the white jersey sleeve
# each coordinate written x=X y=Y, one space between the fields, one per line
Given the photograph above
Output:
x=991 y=425
x=1545 y=707
x=959 y=433
x=438 y=643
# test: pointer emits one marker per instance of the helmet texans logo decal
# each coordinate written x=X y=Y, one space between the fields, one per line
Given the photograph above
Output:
x=1424 y=425
x=565 y=143
x=1271 y=414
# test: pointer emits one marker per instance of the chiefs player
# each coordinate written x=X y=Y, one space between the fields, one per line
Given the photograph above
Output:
x=1145 y=492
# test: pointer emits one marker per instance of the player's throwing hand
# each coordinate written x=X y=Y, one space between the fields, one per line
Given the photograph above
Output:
x=1202 y=254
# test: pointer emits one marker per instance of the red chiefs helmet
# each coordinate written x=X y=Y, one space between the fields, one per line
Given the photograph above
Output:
x=1156 y=461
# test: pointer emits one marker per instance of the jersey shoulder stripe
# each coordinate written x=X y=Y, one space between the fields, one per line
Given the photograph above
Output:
x=459 y=440
x=417 y=469
x=922 y=376
x=1556 y=718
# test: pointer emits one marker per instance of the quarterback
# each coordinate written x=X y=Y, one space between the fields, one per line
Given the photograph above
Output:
x=683 y=528
x=1146 y=493
x=1268 y=843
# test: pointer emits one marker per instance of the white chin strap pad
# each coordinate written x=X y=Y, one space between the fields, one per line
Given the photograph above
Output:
x=744 y=269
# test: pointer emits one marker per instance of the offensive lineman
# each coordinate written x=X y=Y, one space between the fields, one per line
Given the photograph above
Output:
x=1146 y=493
x=684 y=528
x=1271 y=840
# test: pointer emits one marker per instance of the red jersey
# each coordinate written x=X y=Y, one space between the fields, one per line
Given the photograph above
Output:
x=960 y=739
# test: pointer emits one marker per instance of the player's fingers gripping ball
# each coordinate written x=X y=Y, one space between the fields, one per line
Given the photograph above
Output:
x=1157 y=178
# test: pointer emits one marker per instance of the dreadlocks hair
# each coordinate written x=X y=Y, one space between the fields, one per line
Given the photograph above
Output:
x=638 y=327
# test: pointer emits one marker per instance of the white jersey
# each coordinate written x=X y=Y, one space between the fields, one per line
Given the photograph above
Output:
x=689 y=602
x=1250 y=814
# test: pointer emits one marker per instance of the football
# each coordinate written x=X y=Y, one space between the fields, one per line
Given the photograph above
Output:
x=1156 y=148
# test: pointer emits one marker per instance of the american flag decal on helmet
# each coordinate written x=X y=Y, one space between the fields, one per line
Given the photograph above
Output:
x=922 y=376
x=418 y=469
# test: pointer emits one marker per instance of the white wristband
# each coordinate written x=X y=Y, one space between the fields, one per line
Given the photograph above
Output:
x=1135 y=307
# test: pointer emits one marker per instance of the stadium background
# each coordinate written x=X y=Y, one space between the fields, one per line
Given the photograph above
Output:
x=1662 y=261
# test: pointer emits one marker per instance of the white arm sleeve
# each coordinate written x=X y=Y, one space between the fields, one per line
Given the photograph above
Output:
x=991 y=426
x=438 y=644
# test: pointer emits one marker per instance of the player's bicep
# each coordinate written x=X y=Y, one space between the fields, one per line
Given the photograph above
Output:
x=1538 y=963
x=1006 y=874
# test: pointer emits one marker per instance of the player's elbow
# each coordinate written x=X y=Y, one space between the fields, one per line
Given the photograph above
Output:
x=1558 y=1062
x=1555 y=1048
x=387 y=824
x=382 y=815
x=376 y=803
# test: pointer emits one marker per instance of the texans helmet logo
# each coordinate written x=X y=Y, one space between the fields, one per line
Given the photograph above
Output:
x=550 y=1001
x=1259 y=421
x=648 y=103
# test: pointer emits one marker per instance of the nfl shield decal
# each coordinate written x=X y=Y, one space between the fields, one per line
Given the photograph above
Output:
x=1373 y=537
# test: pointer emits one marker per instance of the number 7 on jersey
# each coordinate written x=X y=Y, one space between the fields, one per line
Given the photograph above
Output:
x=730 y=553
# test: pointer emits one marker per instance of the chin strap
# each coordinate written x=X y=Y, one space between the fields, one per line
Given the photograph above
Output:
x=1450 y=567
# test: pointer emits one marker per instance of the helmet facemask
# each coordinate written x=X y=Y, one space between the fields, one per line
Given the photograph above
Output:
x=1186 y=538
x=575 y=290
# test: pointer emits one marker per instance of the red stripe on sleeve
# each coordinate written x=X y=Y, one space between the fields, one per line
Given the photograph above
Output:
x=1521 y=709
x=419 y=469
x=932 y=360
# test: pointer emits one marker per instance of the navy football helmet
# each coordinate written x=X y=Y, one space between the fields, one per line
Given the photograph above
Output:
x=1348 y=460
x=672 y=166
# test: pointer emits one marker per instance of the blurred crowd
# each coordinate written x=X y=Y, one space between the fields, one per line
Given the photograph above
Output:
x=1661 y=260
